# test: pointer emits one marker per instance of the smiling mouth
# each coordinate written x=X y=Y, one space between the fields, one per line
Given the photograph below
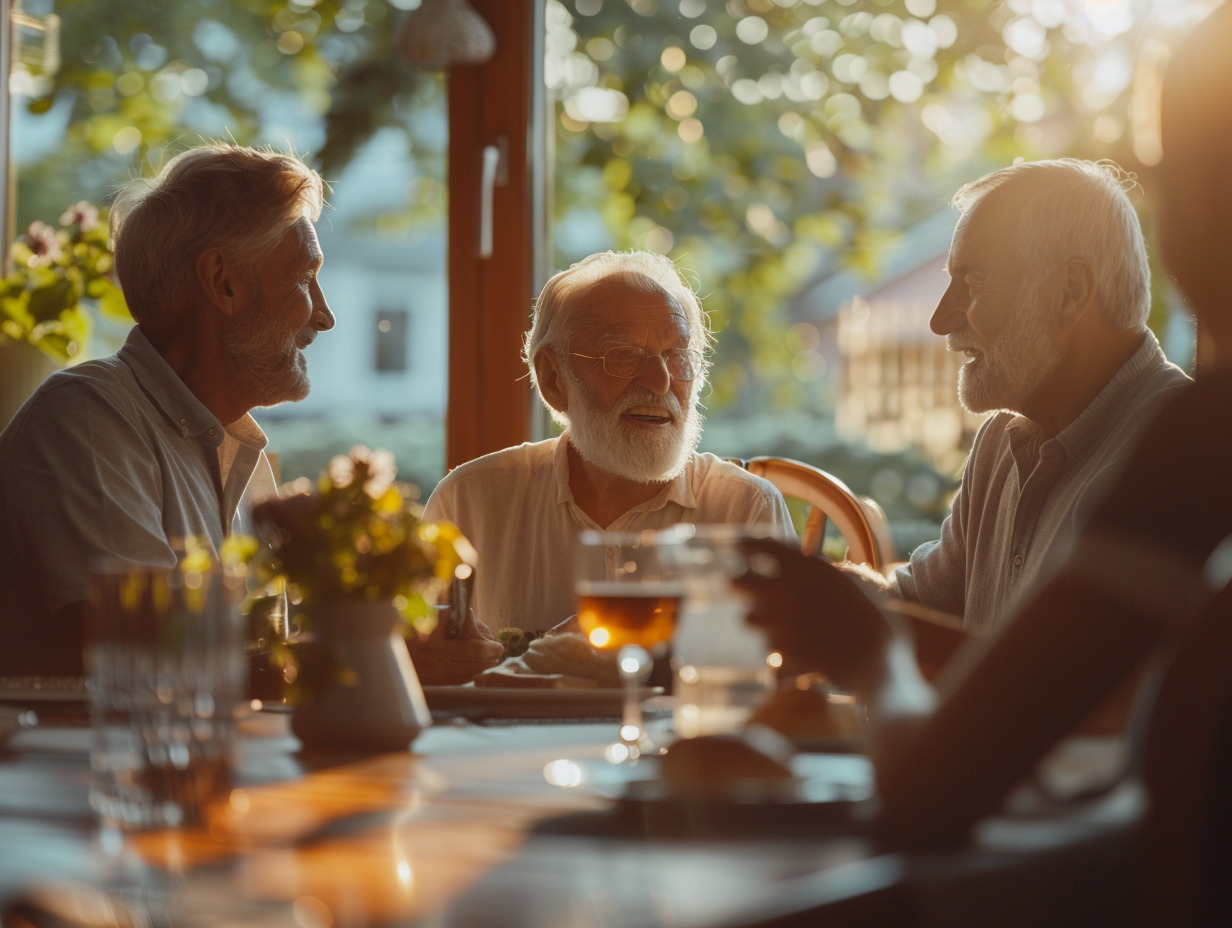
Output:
x=650 y=416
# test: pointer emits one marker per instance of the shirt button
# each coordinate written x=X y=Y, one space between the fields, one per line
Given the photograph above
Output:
x=183 y=422
x=211 y=431
x=1017 y=560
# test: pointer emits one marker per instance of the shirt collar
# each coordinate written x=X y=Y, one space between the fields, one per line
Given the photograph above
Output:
x=178 y=403
x=1078 y=439
x=680 y=490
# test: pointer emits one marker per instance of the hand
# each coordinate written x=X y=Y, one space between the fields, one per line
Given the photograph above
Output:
x=817 y=616
x=441 y=660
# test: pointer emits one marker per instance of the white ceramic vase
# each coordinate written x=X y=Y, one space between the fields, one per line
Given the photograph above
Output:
x=379 y=706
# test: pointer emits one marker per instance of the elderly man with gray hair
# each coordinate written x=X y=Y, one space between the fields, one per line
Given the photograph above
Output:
x=617 y=354
x=122 y=457
x=1048 y=297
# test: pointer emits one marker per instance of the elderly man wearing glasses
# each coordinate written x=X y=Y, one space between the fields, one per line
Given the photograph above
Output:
x=616 y=352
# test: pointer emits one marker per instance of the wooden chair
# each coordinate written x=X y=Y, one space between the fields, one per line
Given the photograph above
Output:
x=860 y=520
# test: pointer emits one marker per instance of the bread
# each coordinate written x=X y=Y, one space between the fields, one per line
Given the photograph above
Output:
x=723 y=765
x=562 y=660
x=807 y=713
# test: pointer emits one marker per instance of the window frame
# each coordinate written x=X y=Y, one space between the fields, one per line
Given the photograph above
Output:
x=499 y=103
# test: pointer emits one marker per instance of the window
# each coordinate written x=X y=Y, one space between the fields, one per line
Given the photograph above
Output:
x=797 y=158
x=103 y=90
x=392 y=335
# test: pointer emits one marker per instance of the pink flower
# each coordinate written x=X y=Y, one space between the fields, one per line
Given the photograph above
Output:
x=373 y=470
x=43 y=243
x=82 y=213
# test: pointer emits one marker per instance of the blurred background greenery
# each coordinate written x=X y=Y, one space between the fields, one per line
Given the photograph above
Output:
x=784 y=152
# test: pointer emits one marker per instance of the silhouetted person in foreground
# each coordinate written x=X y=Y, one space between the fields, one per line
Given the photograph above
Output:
x=1141 y=572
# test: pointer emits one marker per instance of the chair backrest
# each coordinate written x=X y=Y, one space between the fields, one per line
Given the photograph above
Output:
x=1186 y=848
x=860 y=520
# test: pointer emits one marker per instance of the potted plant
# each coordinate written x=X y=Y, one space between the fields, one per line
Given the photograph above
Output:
x=360 y=567
x=54 y=275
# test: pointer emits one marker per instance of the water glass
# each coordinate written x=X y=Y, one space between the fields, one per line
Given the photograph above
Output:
x=165 y=668
x=721 y=663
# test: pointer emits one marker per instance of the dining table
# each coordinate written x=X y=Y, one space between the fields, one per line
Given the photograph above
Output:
x=480 y=821
x=484 y=820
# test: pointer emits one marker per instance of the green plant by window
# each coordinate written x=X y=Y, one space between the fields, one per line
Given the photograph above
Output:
x=55 y=274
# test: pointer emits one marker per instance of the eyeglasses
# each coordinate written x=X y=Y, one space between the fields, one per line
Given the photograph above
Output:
x=682 y=364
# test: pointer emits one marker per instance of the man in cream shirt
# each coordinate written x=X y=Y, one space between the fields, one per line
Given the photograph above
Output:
x=617 y=354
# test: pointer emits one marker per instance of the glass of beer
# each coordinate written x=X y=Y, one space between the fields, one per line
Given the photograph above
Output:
x=628 y=594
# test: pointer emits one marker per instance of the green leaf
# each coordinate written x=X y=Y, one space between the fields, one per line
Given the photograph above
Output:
x=110 y=299
x=48 y=302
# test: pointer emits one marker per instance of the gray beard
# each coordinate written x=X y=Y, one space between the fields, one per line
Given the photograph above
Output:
x=1013 y=367
x=271 y=372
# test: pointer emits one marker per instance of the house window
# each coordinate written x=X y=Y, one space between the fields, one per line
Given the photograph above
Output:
x=393 y=328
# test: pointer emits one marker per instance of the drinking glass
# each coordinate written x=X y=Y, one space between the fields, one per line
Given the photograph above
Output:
x=628 y=596
x=165 y=669
x=721 y=663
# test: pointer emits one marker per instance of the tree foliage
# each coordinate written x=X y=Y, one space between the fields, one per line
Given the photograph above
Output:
x=764 y=144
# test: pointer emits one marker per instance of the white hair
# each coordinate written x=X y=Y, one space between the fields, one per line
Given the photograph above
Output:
x=564 y=302
x=1074 y=208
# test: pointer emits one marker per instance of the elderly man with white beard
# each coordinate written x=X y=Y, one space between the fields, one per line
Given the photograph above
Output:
x=1048 y=297
x=616 y=352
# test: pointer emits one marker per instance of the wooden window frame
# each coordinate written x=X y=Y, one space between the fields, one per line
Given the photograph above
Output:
x=498 y=104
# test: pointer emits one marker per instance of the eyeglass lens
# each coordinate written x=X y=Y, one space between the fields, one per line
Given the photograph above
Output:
x=629 y=362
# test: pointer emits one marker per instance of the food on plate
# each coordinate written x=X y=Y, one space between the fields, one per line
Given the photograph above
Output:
x=514 y=640
x=723 y=765
x=561 y=660
x=809 y=710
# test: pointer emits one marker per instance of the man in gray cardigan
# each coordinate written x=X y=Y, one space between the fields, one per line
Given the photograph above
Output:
x=1048 y=296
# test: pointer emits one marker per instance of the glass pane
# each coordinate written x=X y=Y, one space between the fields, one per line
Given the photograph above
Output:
x=105 y=88
x=796 y=158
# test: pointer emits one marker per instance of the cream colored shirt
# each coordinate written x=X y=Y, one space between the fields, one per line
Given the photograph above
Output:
x=516 y=508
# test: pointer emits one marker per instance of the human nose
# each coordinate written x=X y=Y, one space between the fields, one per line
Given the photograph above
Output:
x=655 y=375
x=322 y=316
x=948 y=316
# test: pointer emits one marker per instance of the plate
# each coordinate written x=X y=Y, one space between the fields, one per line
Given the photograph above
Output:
x=494 y=702
x=826 y=794
x=648 y=810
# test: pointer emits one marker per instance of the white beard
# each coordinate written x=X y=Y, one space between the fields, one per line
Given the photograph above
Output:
x=605 y=441
x=1011 y=368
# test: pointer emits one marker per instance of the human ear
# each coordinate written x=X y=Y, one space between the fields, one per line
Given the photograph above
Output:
x=1079 y=291
x=218 y=279
x=550 y=376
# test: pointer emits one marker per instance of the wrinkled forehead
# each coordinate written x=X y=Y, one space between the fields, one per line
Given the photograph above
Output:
x=619 y=306
x=307 y=233
x=991 y=225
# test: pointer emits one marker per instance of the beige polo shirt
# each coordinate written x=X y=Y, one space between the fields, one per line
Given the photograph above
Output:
x=516 y=508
